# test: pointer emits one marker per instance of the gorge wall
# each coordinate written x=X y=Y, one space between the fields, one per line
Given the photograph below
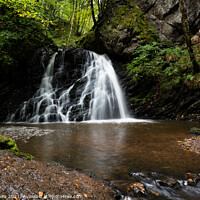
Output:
x=164 y=16
x=127 y=23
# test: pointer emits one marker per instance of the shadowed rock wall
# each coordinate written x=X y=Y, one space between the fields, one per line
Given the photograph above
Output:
x=165 y=17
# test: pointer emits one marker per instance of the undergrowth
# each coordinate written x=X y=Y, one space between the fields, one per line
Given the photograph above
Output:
x=169 y=66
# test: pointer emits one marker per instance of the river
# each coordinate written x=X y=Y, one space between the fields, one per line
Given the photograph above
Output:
x=113 y=150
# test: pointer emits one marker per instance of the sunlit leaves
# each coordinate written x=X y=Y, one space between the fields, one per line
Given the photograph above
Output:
x=28 y=9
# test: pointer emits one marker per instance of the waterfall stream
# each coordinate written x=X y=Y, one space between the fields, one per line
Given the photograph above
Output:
x=95 y=95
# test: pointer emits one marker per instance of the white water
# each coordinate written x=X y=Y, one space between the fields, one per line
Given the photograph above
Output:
x=107 y=101
x=101 y=97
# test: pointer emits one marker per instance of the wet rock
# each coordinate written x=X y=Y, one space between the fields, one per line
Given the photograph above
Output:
x=195 y=131
x=192 y=179
x=136 y=189
x=137 y=174
x=172 y=183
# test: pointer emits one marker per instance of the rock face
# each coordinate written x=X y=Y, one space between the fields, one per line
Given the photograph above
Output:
x=125 y=25
x=119 y=32
x=164 y=16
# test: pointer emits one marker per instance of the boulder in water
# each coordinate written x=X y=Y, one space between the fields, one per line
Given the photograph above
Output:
x=195 y=131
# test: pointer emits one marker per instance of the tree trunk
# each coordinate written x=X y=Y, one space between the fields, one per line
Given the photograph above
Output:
x=92 y=9
x=72 y=22
x=101 y=8
x=187 y=34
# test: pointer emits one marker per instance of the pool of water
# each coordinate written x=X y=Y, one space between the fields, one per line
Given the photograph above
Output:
x=112 y=150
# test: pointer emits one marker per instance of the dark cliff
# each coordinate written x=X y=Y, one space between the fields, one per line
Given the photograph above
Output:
x=127 y=24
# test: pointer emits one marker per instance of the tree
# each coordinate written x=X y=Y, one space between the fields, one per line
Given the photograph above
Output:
x=101 y=6
x=92 y=9
x=72 y=22
x=187 y=34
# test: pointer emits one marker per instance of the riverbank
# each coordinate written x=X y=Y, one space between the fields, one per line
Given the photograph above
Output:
x=27 y=179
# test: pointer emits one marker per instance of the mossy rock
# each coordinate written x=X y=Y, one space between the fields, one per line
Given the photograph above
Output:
x=25 y=155
x=120 y=31
x=87 y=41
x=8 y=144
x=195 y=131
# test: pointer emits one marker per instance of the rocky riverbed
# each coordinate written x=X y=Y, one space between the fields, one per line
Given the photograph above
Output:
x=193 y=143
x=30 y=179
x=23 y=133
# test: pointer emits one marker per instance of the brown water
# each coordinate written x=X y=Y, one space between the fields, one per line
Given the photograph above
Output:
x=112 y=150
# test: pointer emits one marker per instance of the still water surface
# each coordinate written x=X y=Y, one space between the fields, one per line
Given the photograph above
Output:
x=112 y=150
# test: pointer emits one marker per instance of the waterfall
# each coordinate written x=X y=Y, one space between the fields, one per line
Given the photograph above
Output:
x=102 y=85
x=94 y=95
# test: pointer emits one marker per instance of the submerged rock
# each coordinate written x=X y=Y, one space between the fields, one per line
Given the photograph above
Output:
x=172 y=183
x=158 y=186
x=137 y=174
x=191 y=144
x=195 y=131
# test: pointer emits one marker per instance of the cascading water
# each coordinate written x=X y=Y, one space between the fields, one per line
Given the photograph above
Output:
x=95 y=95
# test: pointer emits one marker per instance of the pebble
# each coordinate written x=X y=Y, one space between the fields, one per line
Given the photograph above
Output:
x=23 y=133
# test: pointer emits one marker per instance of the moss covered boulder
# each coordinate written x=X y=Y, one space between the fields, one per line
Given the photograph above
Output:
x=195 y=131
x=8 y=144
x=118 y=33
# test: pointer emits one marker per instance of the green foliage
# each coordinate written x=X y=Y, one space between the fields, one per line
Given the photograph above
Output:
x=134 y=20
x=52 y=17
x=138 y=100
x=168 y=66
x=27 y=8
x=19 y=35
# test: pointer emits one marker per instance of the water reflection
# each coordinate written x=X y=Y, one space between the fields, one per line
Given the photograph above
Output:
x=113 y=150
